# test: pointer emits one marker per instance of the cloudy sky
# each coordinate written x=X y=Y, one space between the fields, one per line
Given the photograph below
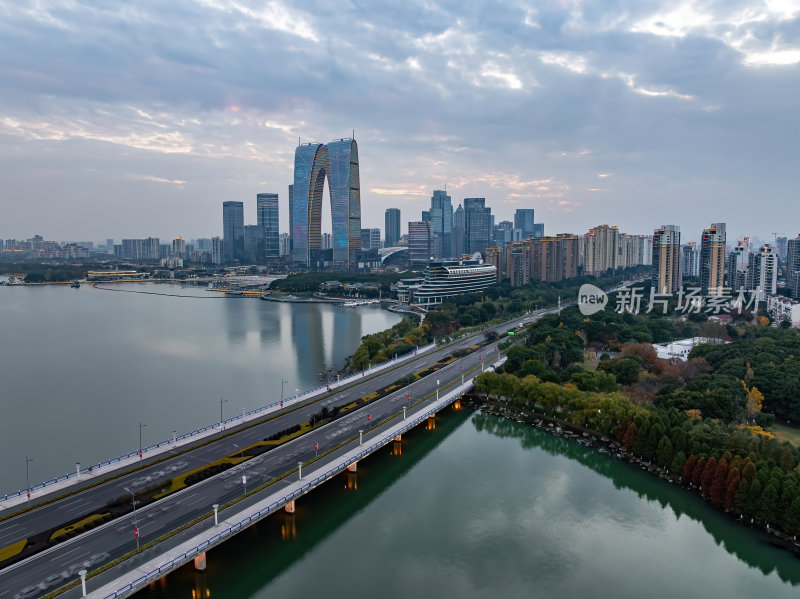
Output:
x=141 y=118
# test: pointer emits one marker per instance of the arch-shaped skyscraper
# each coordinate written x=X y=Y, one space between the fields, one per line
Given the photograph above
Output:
x=313 y=163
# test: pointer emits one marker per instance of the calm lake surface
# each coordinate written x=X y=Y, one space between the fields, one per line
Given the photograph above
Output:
x=486 y=507
x=80 y=368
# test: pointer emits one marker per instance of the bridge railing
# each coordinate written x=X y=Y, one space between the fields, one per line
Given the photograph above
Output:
x=336 y=467
x=238 y=418
x=221 y=425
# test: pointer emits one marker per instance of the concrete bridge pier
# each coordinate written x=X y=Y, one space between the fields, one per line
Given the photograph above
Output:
x=353 y=467
x=289 y=507
x=200 y=562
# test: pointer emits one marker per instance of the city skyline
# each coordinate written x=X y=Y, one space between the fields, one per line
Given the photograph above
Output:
x=682 y=109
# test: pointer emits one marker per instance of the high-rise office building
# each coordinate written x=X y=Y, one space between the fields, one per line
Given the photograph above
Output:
x=269 y=221
x=420 y=237
x=457 y=236
x=283 y=241
x=441 y=217
x=538 y=229
x=523 y=220
x=477 y=225
x=291 y=217
x=667 y=259
x=233 y=230
x=793 y=266
x=253 y=244
x=712 y=259
x=338 y=163
x=370 y=239
x=392 y=227
x=762 y=272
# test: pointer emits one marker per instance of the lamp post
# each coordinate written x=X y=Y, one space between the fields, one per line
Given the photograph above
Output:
x=221 y=401
x=141 y=426
x=437 y=389
x=282 y=384
x=135 y=523
x=28 y=477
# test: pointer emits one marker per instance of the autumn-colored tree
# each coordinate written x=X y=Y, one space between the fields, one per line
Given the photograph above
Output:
x=755 y=399
x=762 y=320
x=708 y=476
x=718 y=487
x=732 y=482
x=645 y=351
x=630 y=437
x=697 y=473
x=689 y=466
x=623 y=428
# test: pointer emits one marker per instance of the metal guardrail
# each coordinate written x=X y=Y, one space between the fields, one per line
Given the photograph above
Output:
x=221 y=425
x=275 y=505
x=242 y=418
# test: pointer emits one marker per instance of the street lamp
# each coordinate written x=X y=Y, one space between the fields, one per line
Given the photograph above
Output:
x=28 y=477
x=135 y=522
x=141 y=426
x=221 y=401
x=282 y=384
x=437 y=389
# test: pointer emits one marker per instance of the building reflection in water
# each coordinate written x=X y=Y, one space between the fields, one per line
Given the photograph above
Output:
x=307 y=334
x=200 y=590
x=397 y=447
x=288 y=527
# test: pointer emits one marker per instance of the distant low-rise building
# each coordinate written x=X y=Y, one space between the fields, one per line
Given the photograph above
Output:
x=783 y=308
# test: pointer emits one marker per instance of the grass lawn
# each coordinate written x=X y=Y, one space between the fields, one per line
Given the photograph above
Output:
x=784 y=432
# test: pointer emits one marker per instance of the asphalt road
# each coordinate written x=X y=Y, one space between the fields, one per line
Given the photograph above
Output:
x=50 y=569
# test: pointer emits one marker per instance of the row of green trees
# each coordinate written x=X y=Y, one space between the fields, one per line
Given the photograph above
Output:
x=736 y=467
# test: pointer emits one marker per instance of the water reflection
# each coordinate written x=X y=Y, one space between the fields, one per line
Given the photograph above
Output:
x=750 y=546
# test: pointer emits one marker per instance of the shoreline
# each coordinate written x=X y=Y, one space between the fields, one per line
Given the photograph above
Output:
x=602 y=444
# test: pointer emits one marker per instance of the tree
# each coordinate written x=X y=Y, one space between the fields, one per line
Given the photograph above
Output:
x=732 y=485
x=664 y=452
x=755 y=400
x=708 y=476
x=689 y=467
x=678 y=462
x=630 y=437
x=718 y=483
x=697 y=474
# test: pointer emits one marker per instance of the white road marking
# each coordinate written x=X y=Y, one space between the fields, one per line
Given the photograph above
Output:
x=60 y=557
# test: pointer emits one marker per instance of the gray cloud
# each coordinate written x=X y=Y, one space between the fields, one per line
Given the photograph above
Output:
x=693 y=108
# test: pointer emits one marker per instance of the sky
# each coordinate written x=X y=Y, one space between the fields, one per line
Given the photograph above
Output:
x=131 y=119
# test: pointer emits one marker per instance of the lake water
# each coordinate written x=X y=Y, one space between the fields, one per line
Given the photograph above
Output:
x=486 y=507
x=80 y=368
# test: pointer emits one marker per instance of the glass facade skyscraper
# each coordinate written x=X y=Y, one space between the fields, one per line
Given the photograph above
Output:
x=392 y=227
x=338 y=163
x=477 y=225
x=267 y=207
x=523 y=220
x=441 y=217
x=233 y=230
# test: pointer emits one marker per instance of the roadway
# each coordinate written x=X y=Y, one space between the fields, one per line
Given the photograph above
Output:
x=60 y=563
